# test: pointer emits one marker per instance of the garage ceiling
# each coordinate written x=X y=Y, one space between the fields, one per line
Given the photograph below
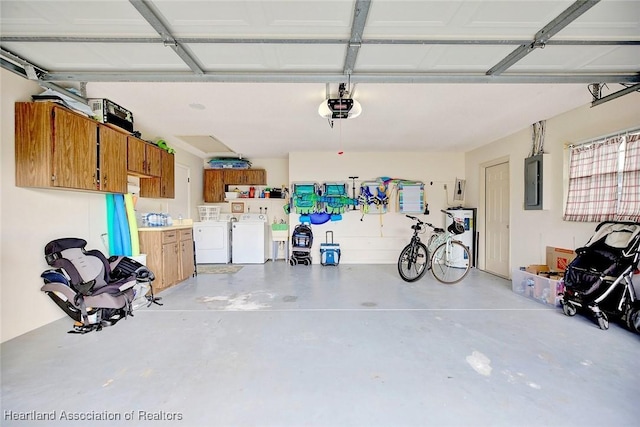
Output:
x=250 y=75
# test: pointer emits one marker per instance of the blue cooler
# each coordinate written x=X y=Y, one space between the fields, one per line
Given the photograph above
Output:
x=329 y=251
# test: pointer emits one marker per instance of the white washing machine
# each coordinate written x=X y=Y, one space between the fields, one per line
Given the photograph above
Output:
x=213 y=240
x=250 y=237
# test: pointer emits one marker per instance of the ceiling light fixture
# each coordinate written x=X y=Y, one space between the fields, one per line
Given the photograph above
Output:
x=342 y=107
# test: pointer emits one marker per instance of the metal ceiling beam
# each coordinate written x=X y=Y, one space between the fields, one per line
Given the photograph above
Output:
x=219 y=40
x=15 y=64
x=542 y=36
x=10 y=66
x=242 y=77
x=143 y=7
x=21 y=62
x=360 y=13
x=614 y=95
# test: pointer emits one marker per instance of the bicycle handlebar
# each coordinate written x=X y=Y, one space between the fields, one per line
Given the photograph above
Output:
x=420 y=222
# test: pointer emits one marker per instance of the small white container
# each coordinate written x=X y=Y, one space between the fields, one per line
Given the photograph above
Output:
x=231 y=195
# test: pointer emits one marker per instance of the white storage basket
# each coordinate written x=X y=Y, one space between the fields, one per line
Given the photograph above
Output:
x=209 y=213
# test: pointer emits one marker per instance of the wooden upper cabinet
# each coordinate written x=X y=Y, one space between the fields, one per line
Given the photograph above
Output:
x=256 y=176
x=213 y=185
x=143 y=159
x=56 y=147
x=216 y=181
x=164 y=185
x=168 y=175
x=232 y=176
x=136 y=158
x=75 y=151
x=113 y=165
x=34 y=145
x=154 y=162
x=245 y=176
x=59 y=148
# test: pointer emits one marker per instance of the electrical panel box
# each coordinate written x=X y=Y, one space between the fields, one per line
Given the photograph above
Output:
x=533 y=180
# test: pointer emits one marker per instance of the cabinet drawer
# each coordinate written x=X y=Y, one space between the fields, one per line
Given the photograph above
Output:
x=186 y=234
x=169 y=236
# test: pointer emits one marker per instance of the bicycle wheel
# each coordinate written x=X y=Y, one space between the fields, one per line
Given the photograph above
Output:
x=450 y=262
x=412 y=262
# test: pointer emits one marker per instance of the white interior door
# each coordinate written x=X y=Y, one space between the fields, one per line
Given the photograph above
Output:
x=179 y=205
x=497 y=219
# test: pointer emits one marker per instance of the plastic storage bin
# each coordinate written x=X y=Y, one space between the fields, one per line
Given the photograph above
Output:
x=209 y=213
x=538 y=288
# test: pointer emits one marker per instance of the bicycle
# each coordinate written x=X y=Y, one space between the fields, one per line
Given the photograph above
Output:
x=447 y=258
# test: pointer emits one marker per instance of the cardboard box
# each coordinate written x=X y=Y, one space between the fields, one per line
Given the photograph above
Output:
x=538 y=288
x=537 y=268
x=558 y=258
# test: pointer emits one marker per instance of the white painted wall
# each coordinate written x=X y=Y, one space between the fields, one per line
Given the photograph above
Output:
x=30 y=218
x=376 y=238
x=532 y=231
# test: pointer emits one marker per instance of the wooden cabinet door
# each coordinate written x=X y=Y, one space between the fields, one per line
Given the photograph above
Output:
x=33 y=144
x=234 y=176
x=150 y=187
x=213 y=185
x=187 y=266
x=245 y=176
x=75 y=151
x=167 y=177
x=113 y=161
x=153 y=160
x=256 y=176
x=170 y=266
x=143 y=159
x=136 y=160
x=151 y=244
x=163 y=186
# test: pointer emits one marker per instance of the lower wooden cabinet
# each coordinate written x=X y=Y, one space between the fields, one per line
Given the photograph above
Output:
x=169 y=254
x=187 y=260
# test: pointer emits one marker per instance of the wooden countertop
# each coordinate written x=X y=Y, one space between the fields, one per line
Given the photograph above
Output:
x=167 y=228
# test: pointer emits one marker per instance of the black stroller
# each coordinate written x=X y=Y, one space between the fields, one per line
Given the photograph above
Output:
x=600 y=277
x=301 y=242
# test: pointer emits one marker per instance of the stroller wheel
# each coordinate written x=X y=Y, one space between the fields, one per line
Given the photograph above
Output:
x=603 y=321
x=633 y=319
x=293 y=261
x=568 y=308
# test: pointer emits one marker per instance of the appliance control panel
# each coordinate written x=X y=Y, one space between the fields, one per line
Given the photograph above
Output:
x=254 y=217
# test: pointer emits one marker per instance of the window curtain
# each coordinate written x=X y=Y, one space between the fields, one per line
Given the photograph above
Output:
x=593 y=182
x=629 y=209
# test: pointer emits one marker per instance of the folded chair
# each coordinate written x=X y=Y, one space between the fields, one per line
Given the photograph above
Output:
x=93 y=290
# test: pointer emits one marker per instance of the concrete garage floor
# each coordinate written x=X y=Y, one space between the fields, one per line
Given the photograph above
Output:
x=353 y=345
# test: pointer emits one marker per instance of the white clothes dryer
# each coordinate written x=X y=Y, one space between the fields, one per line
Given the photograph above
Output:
x=213 y=240
x=250 y=237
